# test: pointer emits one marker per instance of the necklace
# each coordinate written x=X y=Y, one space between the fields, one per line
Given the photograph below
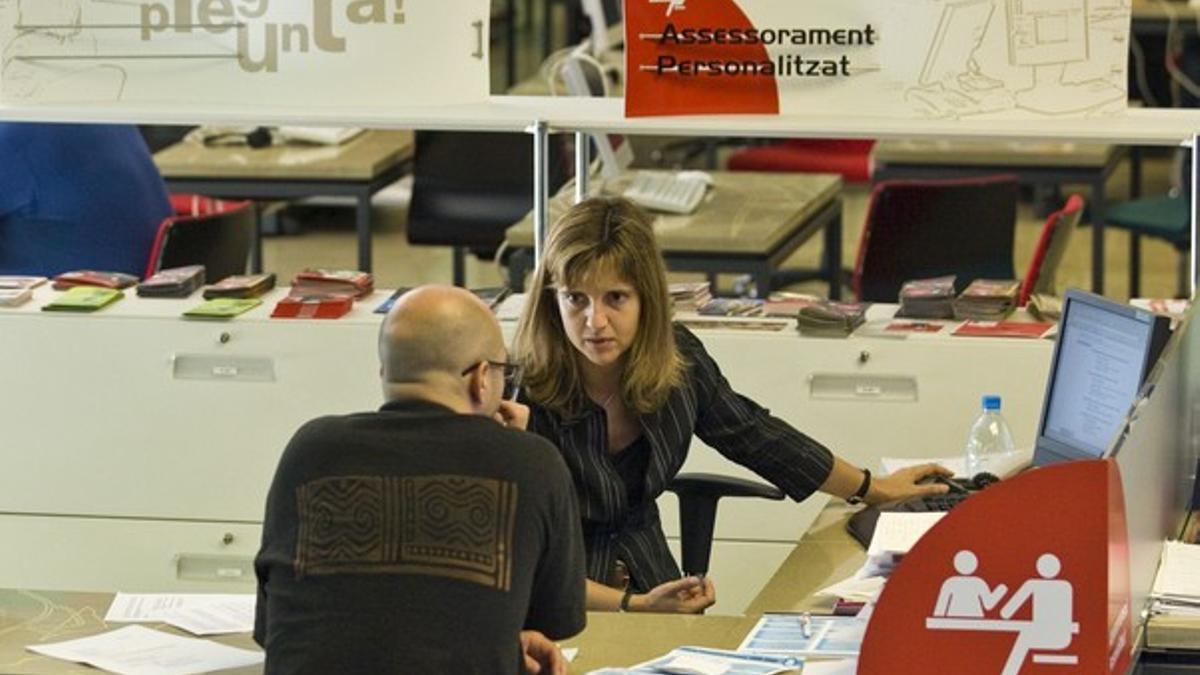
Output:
x=607 y=399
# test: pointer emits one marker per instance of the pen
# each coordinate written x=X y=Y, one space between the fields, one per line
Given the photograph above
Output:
x=806 y=625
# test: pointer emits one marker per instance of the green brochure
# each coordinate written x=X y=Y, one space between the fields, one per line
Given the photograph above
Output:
x=83 y=299
x=222 y=308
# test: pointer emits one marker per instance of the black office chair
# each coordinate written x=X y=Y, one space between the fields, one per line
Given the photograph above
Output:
x=698 y=496
x=917 y=229
x=214 y=233
x=469 y=187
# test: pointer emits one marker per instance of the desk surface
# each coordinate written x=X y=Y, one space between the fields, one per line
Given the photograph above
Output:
x=985 y=153
x=362 y=158
x=34 y=617
x=1162 y=9
x=744 y=213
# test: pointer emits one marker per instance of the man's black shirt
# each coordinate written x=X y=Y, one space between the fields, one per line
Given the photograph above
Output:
x=415 y=539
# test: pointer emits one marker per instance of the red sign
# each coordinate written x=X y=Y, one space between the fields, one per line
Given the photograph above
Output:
x=1030 y=576
x=672 y=54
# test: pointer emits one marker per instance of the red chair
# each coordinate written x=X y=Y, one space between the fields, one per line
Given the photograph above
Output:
x=917 y=229
x=850 y=158
x=1051 y=246
x=211 y=232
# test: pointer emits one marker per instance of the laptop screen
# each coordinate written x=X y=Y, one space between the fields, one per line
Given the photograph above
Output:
x=1101 y=358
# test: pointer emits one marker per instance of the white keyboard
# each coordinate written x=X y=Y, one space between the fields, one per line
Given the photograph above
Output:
x=673 y=193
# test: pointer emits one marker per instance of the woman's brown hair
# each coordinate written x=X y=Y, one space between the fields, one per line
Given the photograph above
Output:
x=599 y=234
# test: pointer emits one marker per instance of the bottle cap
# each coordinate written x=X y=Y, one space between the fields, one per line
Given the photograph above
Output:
x=991 y=402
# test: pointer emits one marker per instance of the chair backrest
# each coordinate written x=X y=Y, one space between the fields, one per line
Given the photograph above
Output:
x=1051 y=247
x=219 y=239
x=918 y=229
x=469 y=187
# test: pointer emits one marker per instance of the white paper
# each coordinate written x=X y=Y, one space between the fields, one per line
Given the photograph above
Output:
x=569 y=653
x=898 y=532
x=800 y=635
x=137 y=650
x=1179 y=571
x=862 y=590
x=235 y=615
x=694 y=664
x=956 y=464
x=838 y=667
x=158 y=607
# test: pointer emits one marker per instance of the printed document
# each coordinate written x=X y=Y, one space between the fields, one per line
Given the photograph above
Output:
x=137 y=650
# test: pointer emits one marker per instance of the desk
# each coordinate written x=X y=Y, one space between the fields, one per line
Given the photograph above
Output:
x=1031 y=163
x=359 y=168
x=747 y=223
x=611 y=639
x=1153 y=17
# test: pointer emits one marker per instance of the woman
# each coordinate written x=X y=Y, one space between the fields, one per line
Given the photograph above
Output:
x=621 y=391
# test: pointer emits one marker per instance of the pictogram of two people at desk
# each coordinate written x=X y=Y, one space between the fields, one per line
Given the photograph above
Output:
x=967 y=603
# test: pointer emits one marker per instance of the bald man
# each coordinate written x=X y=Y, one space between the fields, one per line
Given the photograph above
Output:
x=426 y=537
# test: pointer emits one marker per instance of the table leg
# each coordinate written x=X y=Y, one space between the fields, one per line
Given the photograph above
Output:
x=1098 y=207
x=1135 y=172
x=362 y=222
x=256 y=254
x=833 y=255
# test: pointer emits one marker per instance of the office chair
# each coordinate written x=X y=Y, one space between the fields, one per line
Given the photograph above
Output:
x=1169 y=218
x=210 y=232
x=698 y=496
x=469 y=187
x=850 y=158
x=1051 y=246
x=916 y=229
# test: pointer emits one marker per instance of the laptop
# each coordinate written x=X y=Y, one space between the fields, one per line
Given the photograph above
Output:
x=1101 y=358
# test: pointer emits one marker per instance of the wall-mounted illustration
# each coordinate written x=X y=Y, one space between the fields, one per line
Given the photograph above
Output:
x=1043 y=36
x=316 y=53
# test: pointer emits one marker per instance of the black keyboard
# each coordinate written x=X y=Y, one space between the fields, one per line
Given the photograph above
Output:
x=861 y=525
x=930 y=503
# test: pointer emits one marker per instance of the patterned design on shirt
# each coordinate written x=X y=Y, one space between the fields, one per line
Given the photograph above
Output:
x=460 y=527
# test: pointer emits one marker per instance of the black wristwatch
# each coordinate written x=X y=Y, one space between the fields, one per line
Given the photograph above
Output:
x=861 y=493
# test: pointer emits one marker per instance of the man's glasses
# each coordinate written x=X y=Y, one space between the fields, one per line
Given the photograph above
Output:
x=511 y=372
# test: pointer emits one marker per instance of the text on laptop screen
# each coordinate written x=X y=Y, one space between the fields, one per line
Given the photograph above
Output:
x=1104 y=350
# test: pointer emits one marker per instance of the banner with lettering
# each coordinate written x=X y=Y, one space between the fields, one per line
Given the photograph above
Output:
x=941 y=59
x=366 y=54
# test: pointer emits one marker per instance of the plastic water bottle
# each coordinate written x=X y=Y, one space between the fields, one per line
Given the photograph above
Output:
x=990 y=443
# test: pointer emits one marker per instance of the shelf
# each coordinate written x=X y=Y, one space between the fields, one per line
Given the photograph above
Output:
x=1157 y=126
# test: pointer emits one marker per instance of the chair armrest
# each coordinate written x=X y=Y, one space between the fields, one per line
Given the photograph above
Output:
x=715 y=485
x=698 y=496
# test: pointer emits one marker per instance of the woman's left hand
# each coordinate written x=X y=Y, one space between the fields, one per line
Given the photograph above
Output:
x=907 y=483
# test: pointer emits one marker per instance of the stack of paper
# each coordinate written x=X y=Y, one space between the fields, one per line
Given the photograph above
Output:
x=831 y=319
x=690 y=296
x=1177 y=587
x=927 y=298
x=987 y=299
x=17 y=290
x=732 y=307
x=704 y=661
x=197 y=613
